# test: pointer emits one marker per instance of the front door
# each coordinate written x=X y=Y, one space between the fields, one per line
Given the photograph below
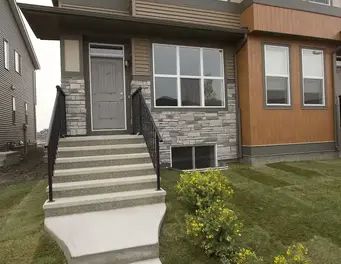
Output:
x=107 y=90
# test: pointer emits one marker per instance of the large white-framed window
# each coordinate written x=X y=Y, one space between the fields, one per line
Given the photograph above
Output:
x=277 y=75
x=187 y=76
x=6 y=54
x=17 y=62
x=313 y=77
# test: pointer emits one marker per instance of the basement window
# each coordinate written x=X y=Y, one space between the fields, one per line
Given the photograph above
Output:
x=193 y=157
x=14 y=109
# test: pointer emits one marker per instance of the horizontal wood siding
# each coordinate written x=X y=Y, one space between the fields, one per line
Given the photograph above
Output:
x=296 y=124
x=144 y=8
x=142 y=57
x=289 y=21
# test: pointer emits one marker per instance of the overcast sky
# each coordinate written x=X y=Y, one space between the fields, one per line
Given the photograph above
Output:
x=49 y=75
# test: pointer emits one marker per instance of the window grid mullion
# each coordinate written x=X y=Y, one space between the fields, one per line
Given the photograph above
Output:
x=202 y=83
x=178 y=75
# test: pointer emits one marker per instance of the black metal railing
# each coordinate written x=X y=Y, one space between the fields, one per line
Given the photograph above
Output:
x=143 y=124
x=57 y=130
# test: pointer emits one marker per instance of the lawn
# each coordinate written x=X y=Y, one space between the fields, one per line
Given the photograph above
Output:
x=279 y=204
x=22 y=236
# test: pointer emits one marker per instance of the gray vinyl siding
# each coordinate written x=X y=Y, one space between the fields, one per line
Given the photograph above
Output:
x=188 y=14
x=121 y=7
x=23 y=83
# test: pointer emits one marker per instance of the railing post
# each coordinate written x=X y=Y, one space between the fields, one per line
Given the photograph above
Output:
x=50 y=172
x=157 y=146
x=140 y=112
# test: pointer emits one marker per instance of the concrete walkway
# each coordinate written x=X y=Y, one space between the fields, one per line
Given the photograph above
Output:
x=112 y=236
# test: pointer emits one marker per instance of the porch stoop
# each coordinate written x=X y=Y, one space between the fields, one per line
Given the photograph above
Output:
x=106 y=208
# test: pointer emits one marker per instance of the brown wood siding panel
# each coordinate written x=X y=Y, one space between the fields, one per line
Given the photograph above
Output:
x=23 y=83
x=142 y=8
x=141 y=56
x=289 y=21
x=283 y=126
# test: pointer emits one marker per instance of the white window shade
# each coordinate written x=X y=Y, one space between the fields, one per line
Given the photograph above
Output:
x=313 y=63
x=277 y=63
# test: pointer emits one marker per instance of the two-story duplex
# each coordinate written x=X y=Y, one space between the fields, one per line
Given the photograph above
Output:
x=204 y=82
x=18 y=64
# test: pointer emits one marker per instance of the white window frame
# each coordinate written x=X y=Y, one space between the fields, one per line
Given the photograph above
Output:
x=277 y=75
x=193 y=155
x=17 y=65
x=314 y=77
x=6 y=54
x=328 y=4
x=201 y=77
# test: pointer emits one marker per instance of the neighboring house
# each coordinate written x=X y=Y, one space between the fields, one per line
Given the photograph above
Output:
x=18 y=64
x=205 y=82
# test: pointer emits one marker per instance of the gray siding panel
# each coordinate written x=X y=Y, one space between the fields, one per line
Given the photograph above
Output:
x=151 y=9
x=24 y=83
x=104 y=6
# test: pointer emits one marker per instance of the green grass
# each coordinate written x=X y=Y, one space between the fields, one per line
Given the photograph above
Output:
x=279 y=204
x=22 y=237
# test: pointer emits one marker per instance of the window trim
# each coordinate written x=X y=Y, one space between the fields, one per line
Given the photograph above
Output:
x=26 y=112
x=329 y=3
x=6 y=54
x=14 y=110
x=178 y=76
x=216 y=162
x=15 y=62
x=324 y=104
x=289 y=92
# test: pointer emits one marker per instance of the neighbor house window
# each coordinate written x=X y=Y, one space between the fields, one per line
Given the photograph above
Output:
x=6 y=54
x=26 y=113
x=13 y=110
x=195 y=157
x=313 y=77
x=17 y=62
x=188 y=76
x=277 y=75
x=322 y=2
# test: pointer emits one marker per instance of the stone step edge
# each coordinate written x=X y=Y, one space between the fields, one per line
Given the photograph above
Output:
x=100 y=147
x=102 y=198
x=99 y=138
x=102 y=158
x=103 y=169
x=103 y=183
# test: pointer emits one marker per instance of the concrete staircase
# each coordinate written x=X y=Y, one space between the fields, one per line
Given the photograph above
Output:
x=106 y=207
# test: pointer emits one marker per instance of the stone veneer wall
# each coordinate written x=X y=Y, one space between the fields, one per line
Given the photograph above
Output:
x=74 y=90
x=185 y=128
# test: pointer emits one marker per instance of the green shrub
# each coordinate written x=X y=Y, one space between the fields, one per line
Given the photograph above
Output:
x=247 y=256
x=200 y=189
x=296 y=254
x=214 y=229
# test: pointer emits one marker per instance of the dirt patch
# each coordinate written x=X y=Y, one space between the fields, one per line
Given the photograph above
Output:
x=30 y=168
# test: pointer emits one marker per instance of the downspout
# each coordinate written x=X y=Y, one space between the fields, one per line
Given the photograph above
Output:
x=337 y=103
x=238 y=110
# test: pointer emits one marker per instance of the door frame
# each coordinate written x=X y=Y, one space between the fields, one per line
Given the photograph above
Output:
x=124 y=83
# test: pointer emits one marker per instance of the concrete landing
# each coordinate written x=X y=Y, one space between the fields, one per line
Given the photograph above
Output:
x=110 y=237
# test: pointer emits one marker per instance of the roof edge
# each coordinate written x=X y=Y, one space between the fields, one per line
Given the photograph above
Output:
x=24 y=33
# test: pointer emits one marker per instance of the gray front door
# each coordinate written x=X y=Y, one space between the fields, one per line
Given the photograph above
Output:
x=107 y=91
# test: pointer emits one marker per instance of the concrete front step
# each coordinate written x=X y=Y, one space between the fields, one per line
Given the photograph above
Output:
x=97 y=173
x=100 y=150
x=100 y=140
x=100 y=161
x=84 y=188
x=149 y=261
x=122 y=236
x=100 y=202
